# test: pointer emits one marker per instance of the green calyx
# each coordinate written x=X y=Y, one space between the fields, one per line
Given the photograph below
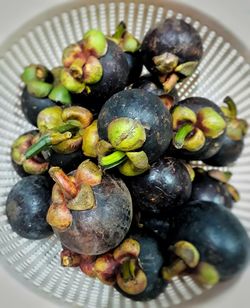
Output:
x=124 y=39
x=191 y=129
x=81 y=62
x=95 y=41
x=60 y=94
x=49 y=118
x=187 y=252
x=171 y=71
x=186 y=257
x=131 y=278
x=206 y=274
x=39 y=88
x=92 y=70
x=136 y=164
x=90 y=139
x=70 y=83
x=236 y=128
x=211 y=122
x=34 y=72
x=126 y=134
x=190 y=170
x=173 y=270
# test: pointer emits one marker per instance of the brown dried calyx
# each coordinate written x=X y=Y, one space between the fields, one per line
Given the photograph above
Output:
x=72 y=192
x=120 y=266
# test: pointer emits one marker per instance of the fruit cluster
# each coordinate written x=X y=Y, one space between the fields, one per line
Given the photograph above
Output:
x=109 y=167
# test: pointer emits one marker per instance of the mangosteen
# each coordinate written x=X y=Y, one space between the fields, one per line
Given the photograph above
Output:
x=213 y=186
x=90 y=212
x=42 y=89
x=27 y=205
x=130 y=45
x=95 y=68
x=136 y=124
x=165 y=185
x=151 y=84
x=23 y=166
x=208 y=241
x=233 y=143
x=199 y=129
x=171 y=51
x=139 y=274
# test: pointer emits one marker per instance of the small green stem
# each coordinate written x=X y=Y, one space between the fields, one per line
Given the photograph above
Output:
x=45 y=141
x=120 y=31
x=112 y=160
x=68 y=126
x=182 y=133
x=231 y=106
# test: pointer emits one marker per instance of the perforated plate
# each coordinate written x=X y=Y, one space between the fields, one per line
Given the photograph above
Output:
x=222 y=72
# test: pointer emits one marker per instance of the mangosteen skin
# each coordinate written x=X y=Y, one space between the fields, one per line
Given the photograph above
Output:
x=167 y=184
x=151 y=261
x=145 y=107
x=211 y=146
x=32 y=105
x=228 y=153
x=103 y=227
x=174 y=36
x=68 y=162
x=27 y=205
x=205 y=188
x=135 y=66
x=115 y=74
x=217 y=234
x=159 y=225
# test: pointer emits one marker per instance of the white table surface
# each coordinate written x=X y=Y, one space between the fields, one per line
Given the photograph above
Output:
x=235 y=15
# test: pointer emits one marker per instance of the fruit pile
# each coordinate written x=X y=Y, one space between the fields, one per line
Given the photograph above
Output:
x=109 y=167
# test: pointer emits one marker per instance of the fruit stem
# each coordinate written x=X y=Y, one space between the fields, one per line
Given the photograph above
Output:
x=231 y=106
x=112 y=160
x=67 y=186
x=120 y=31
x=181 y=134
x=45 y=141
x=68 y=126
x=128 y=270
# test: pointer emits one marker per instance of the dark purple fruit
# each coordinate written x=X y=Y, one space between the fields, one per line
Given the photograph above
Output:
x=150 y=262
x=207 y=188
x=199 y=129
x=148 y=110
x=27 y=205
x=233 y=143
x=115 y=74
x=171 y=51
x=90 y=213
x=166 y=185
x=210 y=241
x=135 y=66
x=32 y=105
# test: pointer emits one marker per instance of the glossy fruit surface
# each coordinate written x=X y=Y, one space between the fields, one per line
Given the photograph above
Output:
x=27 y=205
